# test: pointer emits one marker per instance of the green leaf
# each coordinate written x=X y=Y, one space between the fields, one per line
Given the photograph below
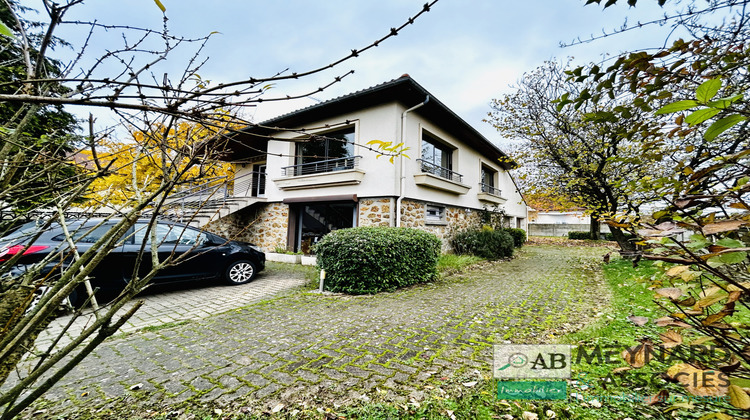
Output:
x=722 y=125
x=676 y=107
x=161 y=6
x=707 y=90
x=701 y=115
x=714 y=262
x=733 y=257
x=5 y=30
x=697 y=244
x=723 y=103
x=730 y=243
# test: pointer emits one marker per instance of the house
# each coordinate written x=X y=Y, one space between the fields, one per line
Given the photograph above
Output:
x=306 y=173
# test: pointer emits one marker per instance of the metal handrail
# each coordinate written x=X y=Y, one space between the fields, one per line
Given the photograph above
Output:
x=489 y=189
x=322 y=166
x=217 y=190
x=218 y=180
x=431 y=168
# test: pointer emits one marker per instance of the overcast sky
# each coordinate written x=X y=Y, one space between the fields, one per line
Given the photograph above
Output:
x=464 y=52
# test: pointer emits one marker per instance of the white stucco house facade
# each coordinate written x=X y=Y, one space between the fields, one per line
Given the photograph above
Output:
x=303 y=174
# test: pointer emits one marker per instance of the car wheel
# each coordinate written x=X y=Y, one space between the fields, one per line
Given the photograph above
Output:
x=240 y=272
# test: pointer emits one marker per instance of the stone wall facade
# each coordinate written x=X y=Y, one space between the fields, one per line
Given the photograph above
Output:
x=456 y=219
x=264 y=225
x=377 y=212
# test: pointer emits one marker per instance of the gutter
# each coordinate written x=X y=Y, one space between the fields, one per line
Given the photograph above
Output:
x=402 y=181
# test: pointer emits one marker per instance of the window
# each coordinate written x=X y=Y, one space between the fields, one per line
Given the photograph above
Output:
x=168 y=235
x=85 y=235
x=488 y=180
x=436 y=155
x=434 y=214
x=330 y=152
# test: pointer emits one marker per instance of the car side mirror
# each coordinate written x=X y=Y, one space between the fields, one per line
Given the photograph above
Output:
x=211 y=241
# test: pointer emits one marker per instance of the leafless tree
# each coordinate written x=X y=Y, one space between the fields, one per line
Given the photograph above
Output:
x=123 y=82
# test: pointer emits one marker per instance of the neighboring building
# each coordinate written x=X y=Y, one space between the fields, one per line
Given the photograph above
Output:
x=558 y=217
x=291 y=189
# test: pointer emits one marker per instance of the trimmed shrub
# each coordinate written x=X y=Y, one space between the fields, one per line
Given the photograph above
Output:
x=365 y=260
x=518 y=235
x=486 y=243
x=579 y=235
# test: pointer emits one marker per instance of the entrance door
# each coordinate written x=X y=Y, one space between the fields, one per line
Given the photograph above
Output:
x=259 y=180
x=316 y=220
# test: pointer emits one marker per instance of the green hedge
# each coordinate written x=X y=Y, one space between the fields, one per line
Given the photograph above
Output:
x=518 y=235
x=486 y=243
x=587 y=235
x=365 y=260
x=579 y=235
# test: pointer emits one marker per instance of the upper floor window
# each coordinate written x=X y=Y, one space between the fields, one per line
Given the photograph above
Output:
x=488 y=180
x=488 y=176
x=330 y=152
x=436 y=153
x=437 y=159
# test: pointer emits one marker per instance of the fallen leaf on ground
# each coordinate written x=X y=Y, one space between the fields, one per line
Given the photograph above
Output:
x=638 y=320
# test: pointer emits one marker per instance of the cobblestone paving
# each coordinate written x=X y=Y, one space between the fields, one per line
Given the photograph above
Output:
x=176 y=303
x=336 y=349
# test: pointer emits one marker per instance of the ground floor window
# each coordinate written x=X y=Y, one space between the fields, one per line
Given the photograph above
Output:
x=434 y=214
x=318 y=219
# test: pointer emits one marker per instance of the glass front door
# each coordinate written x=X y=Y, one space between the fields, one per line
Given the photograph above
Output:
x=259 y=180
x=318 y=219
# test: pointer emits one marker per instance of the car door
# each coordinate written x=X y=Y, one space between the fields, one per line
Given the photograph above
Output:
x=190 y=251
x=107 y=275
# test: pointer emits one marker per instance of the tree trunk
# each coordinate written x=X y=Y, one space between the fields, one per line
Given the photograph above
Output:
x=595 y=228
x=12 y=304
x=627 y=248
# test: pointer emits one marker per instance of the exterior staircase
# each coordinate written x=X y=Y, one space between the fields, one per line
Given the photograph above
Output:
x=214 y=199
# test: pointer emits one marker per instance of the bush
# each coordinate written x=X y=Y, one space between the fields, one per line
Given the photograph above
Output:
x=579 y=235
x=518 y=235
x=586 y=235
x=486 y=243
x=365 y=260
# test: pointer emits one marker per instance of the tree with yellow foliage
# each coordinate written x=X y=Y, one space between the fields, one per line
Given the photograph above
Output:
x=137 y=164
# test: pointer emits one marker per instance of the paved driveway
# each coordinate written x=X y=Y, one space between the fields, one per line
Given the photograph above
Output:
x=177 y=303
x=324 y=350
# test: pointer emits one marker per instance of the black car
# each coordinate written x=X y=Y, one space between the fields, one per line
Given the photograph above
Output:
x=202 y=255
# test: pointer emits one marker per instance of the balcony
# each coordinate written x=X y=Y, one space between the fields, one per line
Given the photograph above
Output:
x=323 y=173
x=490 y=194
x=437 y=177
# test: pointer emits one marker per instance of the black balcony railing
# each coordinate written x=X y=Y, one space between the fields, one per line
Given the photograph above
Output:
x=489 y=189
x=322 y=166
x=431 y=168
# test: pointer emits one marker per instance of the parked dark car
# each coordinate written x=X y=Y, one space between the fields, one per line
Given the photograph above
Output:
x=209 y=257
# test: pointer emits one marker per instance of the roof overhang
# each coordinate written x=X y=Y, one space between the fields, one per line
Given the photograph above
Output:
x=403 y=90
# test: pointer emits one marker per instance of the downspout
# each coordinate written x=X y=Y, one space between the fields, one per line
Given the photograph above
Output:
x=402 y=181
